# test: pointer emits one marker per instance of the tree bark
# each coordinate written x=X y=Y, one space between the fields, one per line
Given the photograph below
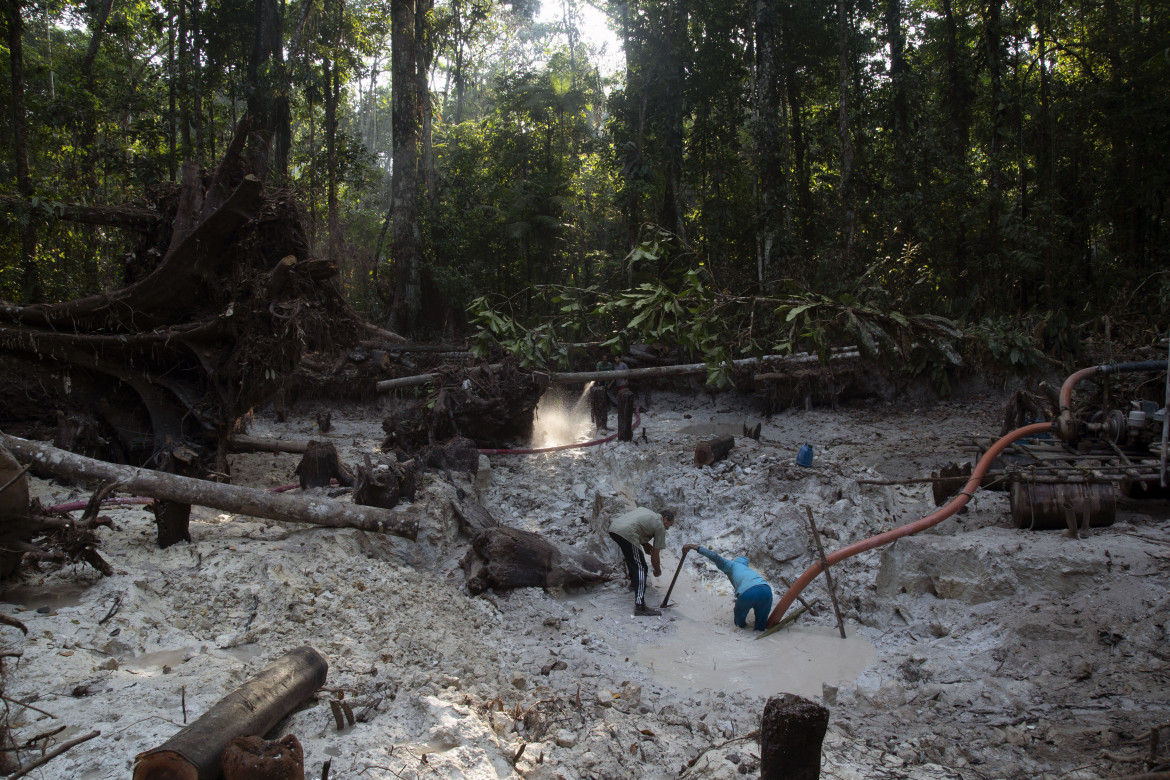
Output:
x=791 y=735
x=406 y=244
x=510 y=558
x=252 y=709
x=231 y=498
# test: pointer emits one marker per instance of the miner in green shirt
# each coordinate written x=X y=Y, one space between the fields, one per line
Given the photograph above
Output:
x=637 y=530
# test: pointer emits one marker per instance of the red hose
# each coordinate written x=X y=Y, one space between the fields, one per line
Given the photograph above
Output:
x=536 y=450
x=932 y=519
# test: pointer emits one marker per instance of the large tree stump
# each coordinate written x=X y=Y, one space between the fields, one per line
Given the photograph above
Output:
x=321 y=464
x=708 y=452
x=458 y=454
x=15 y=533
x=511 y=558
x=790 y=738
x=255 y=707
x=385 y=484
x=255 y=758
x=625 y=414
x=173 y=522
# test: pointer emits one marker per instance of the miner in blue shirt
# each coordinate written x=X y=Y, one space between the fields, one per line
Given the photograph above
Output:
x=751 y=590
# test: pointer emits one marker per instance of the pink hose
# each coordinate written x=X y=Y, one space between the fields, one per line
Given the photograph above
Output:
x=932 y=519
x=536 y=450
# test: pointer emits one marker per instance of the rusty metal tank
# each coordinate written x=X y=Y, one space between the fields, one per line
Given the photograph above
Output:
x=1047 y=506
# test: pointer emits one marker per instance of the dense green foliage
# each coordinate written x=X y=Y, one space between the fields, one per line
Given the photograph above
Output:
x=1002 y=165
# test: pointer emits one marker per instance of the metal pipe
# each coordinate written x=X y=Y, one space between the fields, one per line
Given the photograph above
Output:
x=1065 y=426
x=930 y=520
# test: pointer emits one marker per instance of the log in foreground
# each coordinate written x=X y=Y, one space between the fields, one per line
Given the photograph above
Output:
x=232 y=498
x=252 y=709
x=791 y=735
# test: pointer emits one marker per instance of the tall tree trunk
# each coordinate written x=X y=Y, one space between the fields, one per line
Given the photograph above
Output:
x=267 y=84
x=426 y=55
x=992 y=37
x=332 y=94
x=899 y=117
x=797 y=142
x=672 y=64
x=844 y=129
x=30 y=277
x=185 y=149
x=958 y=102
x=172 y=118
x=197 y=82
x=768 y=138
x=1046 y=155
x=406 y=246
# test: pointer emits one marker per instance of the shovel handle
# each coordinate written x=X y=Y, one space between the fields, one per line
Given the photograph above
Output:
x=675 y=578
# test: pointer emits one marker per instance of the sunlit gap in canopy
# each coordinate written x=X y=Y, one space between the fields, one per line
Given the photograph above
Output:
x=594 y=28
x=562 y=417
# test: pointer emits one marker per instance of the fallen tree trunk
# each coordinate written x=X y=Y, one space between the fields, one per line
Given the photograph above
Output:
x=125 y=216
x=232 y=498
x=639 y=373
x=254 y=444
x=252 y=709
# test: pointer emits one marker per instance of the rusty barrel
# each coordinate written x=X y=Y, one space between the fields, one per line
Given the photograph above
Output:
x=1045 y=506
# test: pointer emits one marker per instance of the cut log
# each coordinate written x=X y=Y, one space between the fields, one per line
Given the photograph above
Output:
x=232 y=498
x=252 y=709
x=511 y=558
x=791 y=734
x=321 y=464
x=708 y=452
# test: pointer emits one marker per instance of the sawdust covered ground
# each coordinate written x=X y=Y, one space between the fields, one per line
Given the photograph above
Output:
x=974 y=650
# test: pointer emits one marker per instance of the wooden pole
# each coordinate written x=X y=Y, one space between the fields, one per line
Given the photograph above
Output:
x=252 y=709
x=825 y=567
x=674 y=579
x=232 y=498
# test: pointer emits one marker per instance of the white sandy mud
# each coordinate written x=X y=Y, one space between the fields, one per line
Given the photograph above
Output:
x=973 y=650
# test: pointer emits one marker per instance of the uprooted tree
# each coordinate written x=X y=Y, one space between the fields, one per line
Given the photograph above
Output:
x=168 y=364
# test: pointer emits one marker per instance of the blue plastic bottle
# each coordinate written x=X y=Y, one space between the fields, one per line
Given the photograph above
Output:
x=804 y=455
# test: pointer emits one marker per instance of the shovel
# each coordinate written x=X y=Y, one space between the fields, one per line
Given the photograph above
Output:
x=674 y=580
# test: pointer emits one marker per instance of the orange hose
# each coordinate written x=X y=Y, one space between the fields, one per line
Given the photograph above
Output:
x=932 y=519
x=1072 y=381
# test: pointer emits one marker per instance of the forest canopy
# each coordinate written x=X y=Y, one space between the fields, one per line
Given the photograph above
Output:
x=757 y=176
